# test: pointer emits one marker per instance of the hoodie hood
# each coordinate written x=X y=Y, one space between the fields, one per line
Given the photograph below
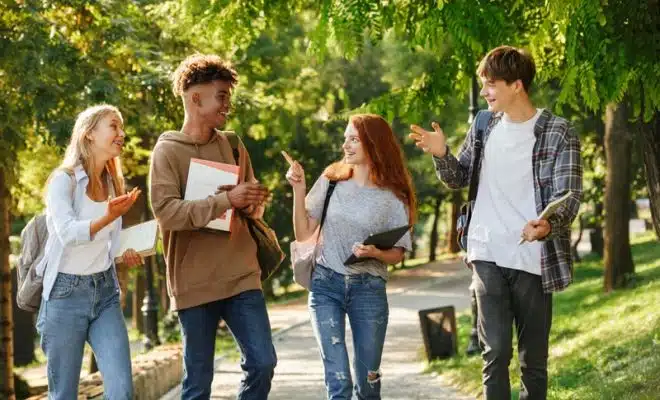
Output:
x=176 y=136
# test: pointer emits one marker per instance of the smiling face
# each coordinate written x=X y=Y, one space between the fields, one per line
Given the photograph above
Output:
x=499 y=95
x=107 y=137
x=354 y=152
x=212 y=102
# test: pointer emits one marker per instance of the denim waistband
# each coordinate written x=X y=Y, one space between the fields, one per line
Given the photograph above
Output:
x=361 y=277
x=96 y=277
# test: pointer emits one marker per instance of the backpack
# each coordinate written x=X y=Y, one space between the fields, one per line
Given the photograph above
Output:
x=33 y=248
x=269 y=253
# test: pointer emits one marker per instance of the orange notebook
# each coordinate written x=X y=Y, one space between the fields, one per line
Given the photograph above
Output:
x=204 y=177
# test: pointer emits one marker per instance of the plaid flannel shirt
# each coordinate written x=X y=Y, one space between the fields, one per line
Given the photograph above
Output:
x=557 y=169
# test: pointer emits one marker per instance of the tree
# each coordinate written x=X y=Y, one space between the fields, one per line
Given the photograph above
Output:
x=618 y=145
x=610 y=60
x=6 y=325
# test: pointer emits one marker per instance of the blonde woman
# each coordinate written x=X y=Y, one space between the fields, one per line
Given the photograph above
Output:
x=85 y=200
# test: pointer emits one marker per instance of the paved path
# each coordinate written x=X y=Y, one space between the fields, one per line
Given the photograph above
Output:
x=299 y=373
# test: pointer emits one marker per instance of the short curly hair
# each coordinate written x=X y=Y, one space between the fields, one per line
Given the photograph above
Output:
x=202 y=68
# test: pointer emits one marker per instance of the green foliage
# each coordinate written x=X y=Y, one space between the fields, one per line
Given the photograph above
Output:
x=610 y=51
x=304 y=68
x=35 y=163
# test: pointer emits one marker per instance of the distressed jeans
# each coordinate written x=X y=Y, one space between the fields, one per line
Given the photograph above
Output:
x=85 y=308
x=362 y=298
x=247 y=319
x=506 y=297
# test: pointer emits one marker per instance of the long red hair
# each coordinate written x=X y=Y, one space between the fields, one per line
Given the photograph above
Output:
x=385 y=157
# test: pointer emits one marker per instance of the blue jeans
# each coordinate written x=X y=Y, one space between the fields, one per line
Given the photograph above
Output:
x=85 y=308
x=362 y=297
x=247 y=319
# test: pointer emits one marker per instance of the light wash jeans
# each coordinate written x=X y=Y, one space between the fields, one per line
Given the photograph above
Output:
x=363 y=299
x=85 y=308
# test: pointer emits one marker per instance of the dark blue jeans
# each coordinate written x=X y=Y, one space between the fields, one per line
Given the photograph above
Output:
x=507 y=297
x=247 y=319
x=362 y=298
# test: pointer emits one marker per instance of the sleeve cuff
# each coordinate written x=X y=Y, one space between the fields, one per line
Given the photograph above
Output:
x=221 y=202
x=442 y=161
x=83 y=231
x=555 y=228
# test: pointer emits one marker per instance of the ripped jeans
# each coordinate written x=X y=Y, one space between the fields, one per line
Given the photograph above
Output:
x=362 y=297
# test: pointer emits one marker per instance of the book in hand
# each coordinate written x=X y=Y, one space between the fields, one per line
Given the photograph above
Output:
x=383 y=241
x=142 y=238
x=204 y=178
x=551 y=209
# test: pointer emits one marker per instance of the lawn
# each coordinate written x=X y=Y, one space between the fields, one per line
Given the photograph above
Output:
x=602 y=346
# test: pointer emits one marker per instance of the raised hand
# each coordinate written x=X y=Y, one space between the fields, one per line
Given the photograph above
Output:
x=296 y=174
x=430 y=142
x=120 y=205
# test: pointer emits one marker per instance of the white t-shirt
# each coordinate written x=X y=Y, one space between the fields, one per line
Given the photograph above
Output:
x=93 y=256
x=505 y=199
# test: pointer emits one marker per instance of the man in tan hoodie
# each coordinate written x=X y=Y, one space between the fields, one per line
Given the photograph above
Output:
x=211 y=275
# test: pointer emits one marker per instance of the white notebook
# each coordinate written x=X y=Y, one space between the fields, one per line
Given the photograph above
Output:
x=204 y=177
x=142 y=238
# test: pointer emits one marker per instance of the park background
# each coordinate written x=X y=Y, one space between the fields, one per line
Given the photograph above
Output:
x=304 y=67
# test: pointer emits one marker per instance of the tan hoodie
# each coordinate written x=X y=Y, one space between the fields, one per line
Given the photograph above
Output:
x=203 y=265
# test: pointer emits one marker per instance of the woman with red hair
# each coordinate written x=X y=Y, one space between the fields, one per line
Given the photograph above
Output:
x=373 y=192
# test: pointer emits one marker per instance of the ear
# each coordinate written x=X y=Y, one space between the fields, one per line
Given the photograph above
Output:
x=196 y=99
x=519 y=87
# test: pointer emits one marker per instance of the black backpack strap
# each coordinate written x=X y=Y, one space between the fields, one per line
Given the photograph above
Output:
x=331 y=188
x=480 y=125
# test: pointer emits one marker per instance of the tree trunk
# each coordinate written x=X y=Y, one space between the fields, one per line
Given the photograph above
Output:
x=618 y=146
x=433 y=242
x=452 y=234
x=6 y=328
x=93 y=365
x=596 y=235
x=650 y=133
x=164 y=298
x=413 y=249
x=574 y=250
x=138 y=298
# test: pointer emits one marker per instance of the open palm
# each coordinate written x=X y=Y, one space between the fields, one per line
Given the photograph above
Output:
x=430 y=142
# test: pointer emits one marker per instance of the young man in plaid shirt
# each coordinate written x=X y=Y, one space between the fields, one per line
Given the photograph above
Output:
x=530 y=157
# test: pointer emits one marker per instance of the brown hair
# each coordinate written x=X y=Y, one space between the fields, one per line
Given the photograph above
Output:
x=385 y=156
x=509 y=64
x=202 y=68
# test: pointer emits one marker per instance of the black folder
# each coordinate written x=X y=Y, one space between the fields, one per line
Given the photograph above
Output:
x=383 y=241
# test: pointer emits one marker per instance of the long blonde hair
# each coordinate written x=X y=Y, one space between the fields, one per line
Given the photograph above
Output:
x=79 y=150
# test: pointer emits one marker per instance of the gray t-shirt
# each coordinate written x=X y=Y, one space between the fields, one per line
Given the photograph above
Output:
x=354 y=212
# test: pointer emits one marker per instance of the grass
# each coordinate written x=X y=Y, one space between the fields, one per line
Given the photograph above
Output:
x=602 y=346
x=225 y=346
